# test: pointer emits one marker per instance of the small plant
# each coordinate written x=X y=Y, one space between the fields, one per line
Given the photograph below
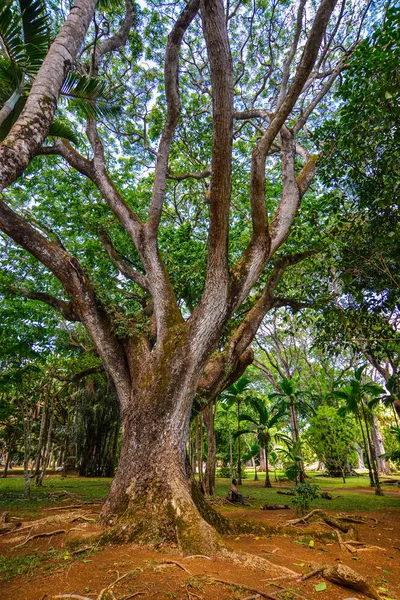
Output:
x=224 y=472
x=304 y=493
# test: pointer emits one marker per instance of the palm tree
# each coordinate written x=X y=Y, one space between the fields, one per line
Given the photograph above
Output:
x=24 y=42
x=354 y=395
x=293 y=400
x=235 y=394
x=262 y=424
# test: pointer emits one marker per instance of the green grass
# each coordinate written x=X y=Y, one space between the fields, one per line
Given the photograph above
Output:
x=346 y=501
x=12 y=492
x=29 y=563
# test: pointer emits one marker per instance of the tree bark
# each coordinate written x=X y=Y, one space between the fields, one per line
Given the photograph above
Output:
x=46 y=454
x=383 y=467
x=267 y=482
x=360 y=454
x=150 y=497
x=209 y=476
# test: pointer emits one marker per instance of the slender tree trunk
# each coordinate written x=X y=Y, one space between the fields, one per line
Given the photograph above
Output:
x=383 y=466
x=378 y=490
x=239 y=464
x=255 y=469
x=359 y=451
x=46 y=454
x=41 y=441
x=267 y=483
x=209 y=421
x=199 y=449
x=65 y=449
x=27 y=451
x=9 y=454
x=296 y=438
x=366 y=450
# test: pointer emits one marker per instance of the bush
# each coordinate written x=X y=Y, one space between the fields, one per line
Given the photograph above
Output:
x=305 y=493
x=224 y=472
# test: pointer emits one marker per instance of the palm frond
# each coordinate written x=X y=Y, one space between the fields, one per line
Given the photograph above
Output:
x=10 y=79
x=90 y=95
x=10 y=34
x=35 y=27
x=109 y=4
x=63 y=130
x=245 y=417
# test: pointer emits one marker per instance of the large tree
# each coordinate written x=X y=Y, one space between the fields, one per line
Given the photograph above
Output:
x=253 y=77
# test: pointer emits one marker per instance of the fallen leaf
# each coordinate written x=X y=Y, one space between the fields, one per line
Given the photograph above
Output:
x=320 y=587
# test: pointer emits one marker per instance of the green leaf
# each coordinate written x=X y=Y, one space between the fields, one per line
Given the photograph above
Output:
x=320 y=587
x=63 y=130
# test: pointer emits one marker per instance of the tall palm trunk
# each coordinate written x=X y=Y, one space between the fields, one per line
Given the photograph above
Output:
x=294 y=424
x=267 y=482
x=378 y=489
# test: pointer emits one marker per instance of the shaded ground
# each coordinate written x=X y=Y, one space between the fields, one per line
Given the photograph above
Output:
x=44 y=567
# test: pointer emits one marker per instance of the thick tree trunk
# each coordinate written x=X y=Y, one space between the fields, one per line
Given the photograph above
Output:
x=150 y=497
x=209 y=476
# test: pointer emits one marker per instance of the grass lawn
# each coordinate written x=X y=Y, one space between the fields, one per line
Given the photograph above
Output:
x=12 y=491
x=342 y=500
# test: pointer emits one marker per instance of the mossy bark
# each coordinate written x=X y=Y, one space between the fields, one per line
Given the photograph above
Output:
x=152 y=498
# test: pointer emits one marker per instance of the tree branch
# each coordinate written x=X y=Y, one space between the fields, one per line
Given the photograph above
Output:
x=293 y=49
x=119 y=38
x=257 y=177
x=121 y=263
x=171 y=80
x=79 y=287
x=189 y=175
x=219 y=54
x=32 y=126
x=65 y=308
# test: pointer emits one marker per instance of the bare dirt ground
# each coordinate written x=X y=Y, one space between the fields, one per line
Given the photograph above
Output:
x=57 y=571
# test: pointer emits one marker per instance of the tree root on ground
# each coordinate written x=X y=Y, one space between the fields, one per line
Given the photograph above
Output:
x=344 y=576
x=6 y=526
x=252 y=561
x=260 y=593
x=39 y=535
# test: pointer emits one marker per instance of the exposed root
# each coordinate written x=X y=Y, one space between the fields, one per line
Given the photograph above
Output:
x=251 y=561
x=275 y=507
x=80 y=550
x=73 y=506
x=198 y=556
x=353 y=519
x=6 y=528
x=244 y=587
x=76 y=596
x=344 y=576
x=304 y=519
x=176 y=563
x=312 y=573
x=40 y=535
